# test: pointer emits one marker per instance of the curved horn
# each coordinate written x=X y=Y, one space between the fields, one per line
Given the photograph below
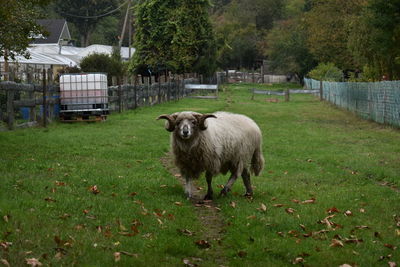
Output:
x=170 y=126
x=202 y=120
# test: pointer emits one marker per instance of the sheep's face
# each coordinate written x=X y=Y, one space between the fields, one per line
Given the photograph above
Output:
x=186 y=124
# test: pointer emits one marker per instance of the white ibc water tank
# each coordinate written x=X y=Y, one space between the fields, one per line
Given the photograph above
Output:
x=83 y=91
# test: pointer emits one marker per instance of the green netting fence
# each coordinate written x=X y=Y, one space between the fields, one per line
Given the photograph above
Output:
x=377 y=101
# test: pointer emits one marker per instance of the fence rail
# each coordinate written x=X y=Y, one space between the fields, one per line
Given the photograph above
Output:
x=31 y=104
x=377 y=101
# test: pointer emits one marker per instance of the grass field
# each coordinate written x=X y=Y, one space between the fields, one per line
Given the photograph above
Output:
x=98 y=194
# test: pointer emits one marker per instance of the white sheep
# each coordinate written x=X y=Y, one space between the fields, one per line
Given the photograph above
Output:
x=225 y=142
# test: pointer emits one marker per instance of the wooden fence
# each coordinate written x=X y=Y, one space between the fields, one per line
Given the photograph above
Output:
x=24 y=105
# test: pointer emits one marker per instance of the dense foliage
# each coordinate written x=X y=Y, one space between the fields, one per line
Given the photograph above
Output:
x=173 y=35
x=18 y=26
x=326 y=72
x=103 y=63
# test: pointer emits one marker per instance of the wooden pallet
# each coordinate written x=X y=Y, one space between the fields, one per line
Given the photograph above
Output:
x=83 y=118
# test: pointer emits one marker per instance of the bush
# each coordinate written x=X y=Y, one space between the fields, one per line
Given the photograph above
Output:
x=326 y=72
x=103 y=63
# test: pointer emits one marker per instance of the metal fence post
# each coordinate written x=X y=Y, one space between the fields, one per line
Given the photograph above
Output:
x=44 y=115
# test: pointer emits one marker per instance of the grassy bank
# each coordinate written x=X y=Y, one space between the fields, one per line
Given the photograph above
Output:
x=98 y=195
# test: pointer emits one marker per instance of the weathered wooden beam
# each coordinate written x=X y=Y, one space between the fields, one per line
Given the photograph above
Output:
x=10 y=109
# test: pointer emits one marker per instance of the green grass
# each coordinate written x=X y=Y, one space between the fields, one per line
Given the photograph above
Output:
x=312 y=150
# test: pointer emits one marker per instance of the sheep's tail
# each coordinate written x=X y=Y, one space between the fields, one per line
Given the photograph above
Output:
x=257 y=162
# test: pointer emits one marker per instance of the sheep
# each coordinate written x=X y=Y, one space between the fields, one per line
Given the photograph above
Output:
x=215 y=143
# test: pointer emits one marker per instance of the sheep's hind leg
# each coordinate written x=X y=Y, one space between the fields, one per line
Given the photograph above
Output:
x=247 y=183
x=209 y=195
x=229 y=184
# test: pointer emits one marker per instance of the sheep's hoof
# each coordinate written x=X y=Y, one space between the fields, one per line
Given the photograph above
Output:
x=224 y=191
x=248 y=195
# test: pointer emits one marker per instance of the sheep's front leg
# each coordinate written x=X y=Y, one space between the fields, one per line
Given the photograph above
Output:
x=210 y=192
x=188 y=187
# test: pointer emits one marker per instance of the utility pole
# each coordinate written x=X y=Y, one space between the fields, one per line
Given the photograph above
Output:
x=124 y=27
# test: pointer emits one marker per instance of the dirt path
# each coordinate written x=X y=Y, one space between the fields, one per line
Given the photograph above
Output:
x=208 y=213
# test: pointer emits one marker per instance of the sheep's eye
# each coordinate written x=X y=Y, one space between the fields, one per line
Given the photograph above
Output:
x=194 y=122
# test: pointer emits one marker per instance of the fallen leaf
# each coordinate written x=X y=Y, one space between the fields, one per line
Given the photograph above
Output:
x=392 y=264
x=232 y=204
x=263 y=207
x=390 y=246
x=348 y=213
x=345 y=265
x=302 y=227
x=308 y=201
x=242 y=254
x=397 y=232
x=132 y=194
x=202 y=244
x=33 y=262
x=252 y=217
x=336 y=243
x=332 y=210
x=117 y=256
x=58 y=183
x=296 y=201
x=163 y=185
x=188 y=263
x=362 y=210
x=6 y=218
x=5 y=262
x=178 y=203
x=185 y=232
x=298 y=260
x=129 y=254
x=94 y=189
x=354 y=241
x=290 y=210
x=49 y=199
x=278 y=205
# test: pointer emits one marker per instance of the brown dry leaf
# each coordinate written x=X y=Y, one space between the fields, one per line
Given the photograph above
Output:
x=185 y=232
x=345 y=265
x=49 y=199
x=290 y=210
x=354 y=241
x=117 y=256
x=278 y=205
x=263 y=208
x=242 y=254
x=392 y=264
x=362 y=210
x=132 y=194
x=232 y=204
x=58 y=183
x=336 y=243
x=309 y=201
x=302 y=226
x=33 y=262
x=251 y=217
x=348 y=213
x=390 y=246
x=163 y=185
x=6 y=218
x=94 y=189
x=160 y=222
x=188 y=263
x=298 y=260
x=5 y=262
x=397 y=232
x=178 y=203
x=203 y=244
x=332 y=210
x=129 y=254
x=296 y=201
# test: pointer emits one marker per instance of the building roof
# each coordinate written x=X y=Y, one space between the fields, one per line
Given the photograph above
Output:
x=57 y=30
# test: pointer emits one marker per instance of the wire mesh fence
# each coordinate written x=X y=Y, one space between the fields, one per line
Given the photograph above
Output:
x=377 y=101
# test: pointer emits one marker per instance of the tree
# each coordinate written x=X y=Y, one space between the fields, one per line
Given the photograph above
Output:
x=18 y=26
x=85 y=14
x=328 y=33
x=174 y=34
x=287 y=48
x=375 y=38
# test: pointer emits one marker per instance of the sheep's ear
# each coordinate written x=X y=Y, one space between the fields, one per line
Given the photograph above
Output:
x=170 y=125
x=202 y=120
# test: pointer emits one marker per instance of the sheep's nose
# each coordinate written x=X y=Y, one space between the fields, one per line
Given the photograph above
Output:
x=185 y=132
